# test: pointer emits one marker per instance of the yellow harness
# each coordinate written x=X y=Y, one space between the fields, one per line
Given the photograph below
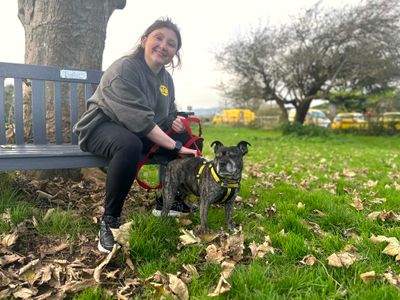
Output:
x=230 y=186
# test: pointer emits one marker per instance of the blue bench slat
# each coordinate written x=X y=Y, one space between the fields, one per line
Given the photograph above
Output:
x=73 y=110
x=2 y=113
x=39 y=112
x=58 y=112
x=18 y=112
x=88 y=91
x=11 y=70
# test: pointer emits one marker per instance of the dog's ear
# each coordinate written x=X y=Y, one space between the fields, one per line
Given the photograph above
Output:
x=243 y=146
x=217 y=145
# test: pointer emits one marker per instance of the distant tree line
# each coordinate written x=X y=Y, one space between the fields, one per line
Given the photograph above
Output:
x=353 y=49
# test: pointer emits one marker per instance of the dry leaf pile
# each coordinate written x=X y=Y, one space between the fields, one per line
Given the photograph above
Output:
x=227 y=250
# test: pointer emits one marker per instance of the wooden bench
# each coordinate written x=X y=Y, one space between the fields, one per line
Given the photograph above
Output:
x=59 y=87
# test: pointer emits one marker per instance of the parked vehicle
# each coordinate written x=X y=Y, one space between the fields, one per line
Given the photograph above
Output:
x=391 y=120
x=349 y=120
x=235 y=116
x=314 y=117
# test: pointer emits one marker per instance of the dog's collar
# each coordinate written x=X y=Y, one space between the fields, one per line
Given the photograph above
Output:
x=230 y=186
x=222 y=182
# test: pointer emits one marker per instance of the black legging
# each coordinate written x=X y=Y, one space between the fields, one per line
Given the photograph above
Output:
x=124 y=149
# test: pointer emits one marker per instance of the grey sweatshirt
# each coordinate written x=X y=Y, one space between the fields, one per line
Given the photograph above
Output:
x=131 y=95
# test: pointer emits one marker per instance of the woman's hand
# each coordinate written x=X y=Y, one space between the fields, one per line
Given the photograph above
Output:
x=184 y=152
x=177 y=125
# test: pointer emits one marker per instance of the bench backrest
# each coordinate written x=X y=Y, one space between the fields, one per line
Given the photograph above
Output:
x=63 y=85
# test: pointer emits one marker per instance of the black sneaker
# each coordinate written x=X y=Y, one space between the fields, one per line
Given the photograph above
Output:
x=106 y=238
x=179 y=208
x=113 y=222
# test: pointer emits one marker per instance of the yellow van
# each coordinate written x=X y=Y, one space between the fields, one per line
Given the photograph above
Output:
x=235 y=116
x=391 y=120
x=314 y=117
x=349 y=120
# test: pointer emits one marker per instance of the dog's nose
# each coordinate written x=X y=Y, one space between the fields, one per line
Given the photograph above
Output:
x=230 y=167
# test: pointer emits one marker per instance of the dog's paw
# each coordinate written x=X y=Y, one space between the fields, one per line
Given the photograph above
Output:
x=232 y=230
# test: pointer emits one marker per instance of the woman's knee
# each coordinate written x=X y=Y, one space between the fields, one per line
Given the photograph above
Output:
x=131 y=149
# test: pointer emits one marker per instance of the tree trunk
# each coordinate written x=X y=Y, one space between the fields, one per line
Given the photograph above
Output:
x=284 y=113
x=301 y=110
x=66 y=34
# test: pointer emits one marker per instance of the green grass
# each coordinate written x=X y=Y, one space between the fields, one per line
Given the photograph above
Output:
x=12 y=206
x=93 y=294
x=64 y=223
x=291 y=169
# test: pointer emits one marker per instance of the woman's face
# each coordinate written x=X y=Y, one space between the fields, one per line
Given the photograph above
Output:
x=160 y=47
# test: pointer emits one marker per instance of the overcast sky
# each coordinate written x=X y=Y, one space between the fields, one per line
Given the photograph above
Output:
x=205 y=26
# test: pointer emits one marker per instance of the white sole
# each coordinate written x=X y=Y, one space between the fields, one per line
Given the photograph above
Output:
x=171 y=213
x=101 y=248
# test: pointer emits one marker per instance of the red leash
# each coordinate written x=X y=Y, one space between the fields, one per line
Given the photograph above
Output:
x=169 y=132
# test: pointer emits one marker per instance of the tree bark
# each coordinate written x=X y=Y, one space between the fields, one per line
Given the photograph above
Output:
x=66 y=34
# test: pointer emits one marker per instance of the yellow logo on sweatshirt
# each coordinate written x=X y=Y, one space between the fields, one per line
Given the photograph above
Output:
x=163 y=90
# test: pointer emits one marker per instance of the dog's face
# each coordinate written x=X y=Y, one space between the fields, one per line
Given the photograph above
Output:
x=228 y=162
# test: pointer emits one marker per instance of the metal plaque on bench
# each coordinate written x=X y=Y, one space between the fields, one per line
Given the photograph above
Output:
x=73 y=74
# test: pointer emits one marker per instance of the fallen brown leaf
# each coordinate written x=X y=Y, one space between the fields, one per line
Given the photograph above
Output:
x=317 y=229
x=349 y=173
x=9 y=259
x=392 y=278
x=25 y=293
x=28 y=266
x=357 y=203
x=99 y=268
x=188 y=237
x=263 y=249
x=121 y=234
x=233 y=246
x=178 y=287
x=342 y=259
x=368 y=276
x=308 y=260
x=318 y=213
x=223 y=286
x=55 y=249
x=227 y=268
x=384 y=215
x=393 y=249
x=214 y=254
x=271 y=211
x=300 y=205
x=10 y=239
x=191 y=269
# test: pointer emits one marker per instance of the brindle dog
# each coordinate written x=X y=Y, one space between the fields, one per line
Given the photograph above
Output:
x=212 y=181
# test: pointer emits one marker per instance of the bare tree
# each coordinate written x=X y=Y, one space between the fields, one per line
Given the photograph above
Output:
x=352 y=48
x=66 y=34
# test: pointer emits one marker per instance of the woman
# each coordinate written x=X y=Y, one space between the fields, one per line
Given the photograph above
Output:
x=130 y=110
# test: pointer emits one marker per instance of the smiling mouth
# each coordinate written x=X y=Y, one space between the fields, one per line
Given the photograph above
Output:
x=160 y=53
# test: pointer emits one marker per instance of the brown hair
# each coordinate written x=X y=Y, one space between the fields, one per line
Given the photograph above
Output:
x=162 y=23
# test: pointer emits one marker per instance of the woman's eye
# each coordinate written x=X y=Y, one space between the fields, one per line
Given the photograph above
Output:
x=172 y=45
